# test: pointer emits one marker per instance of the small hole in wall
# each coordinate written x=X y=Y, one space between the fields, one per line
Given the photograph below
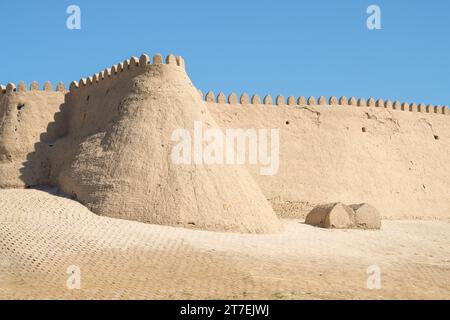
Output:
x=287 y=123
x=87 y=99
x=363 y=129
x=436 y=137
x=20 y=106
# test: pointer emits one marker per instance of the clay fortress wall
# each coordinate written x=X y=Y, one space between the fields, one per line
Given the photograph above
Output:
x=393 y=155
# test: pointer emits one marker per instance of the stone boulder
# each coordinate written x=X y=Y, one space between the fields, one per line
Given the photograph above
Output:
x=366 y=216
x=340 y=216
x=332 y=215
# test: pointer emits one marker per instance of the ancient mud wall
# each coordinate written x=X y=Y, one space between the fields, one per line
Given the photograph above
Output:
x=391 y=154
x=394 y=155
x=113 y=153
x=24 y=117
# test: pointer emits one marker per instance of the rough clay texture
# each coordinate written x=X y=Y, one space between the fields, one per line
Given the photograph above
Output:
x=24 y=117
x=332 y=216
x=109 y=146
x=114 y=156
x=41 y=235
x=396 y=160
x=366 y=216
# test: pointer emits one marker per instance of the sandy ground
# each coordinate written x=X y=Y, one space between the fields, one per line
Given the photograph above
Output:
x=41 y=235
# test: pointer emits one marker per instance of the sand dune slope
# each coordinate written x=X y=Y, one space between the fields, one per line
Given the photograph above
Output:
x=41 y=235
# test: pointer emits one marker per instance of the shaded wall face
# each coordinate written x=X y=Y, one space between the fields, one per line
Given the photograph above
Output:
x=397 y=160
x=24 y=117
x=88 y=111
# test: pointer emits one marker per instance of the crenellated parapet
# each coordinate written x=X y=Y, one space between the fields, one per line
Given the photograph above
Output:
x=134 y=66
x=129 y=67
x=34 y=86
x=322 y=101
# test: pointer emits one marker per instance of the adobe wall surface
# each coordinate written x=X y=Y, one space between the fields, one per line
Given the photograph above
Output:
x=114 y=153
x=24 y=117
x=107 y=142
x=396 y=159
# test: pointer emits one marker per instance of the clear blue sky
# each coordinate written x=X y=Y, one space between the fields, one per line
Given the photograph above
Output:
x=319 y=47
